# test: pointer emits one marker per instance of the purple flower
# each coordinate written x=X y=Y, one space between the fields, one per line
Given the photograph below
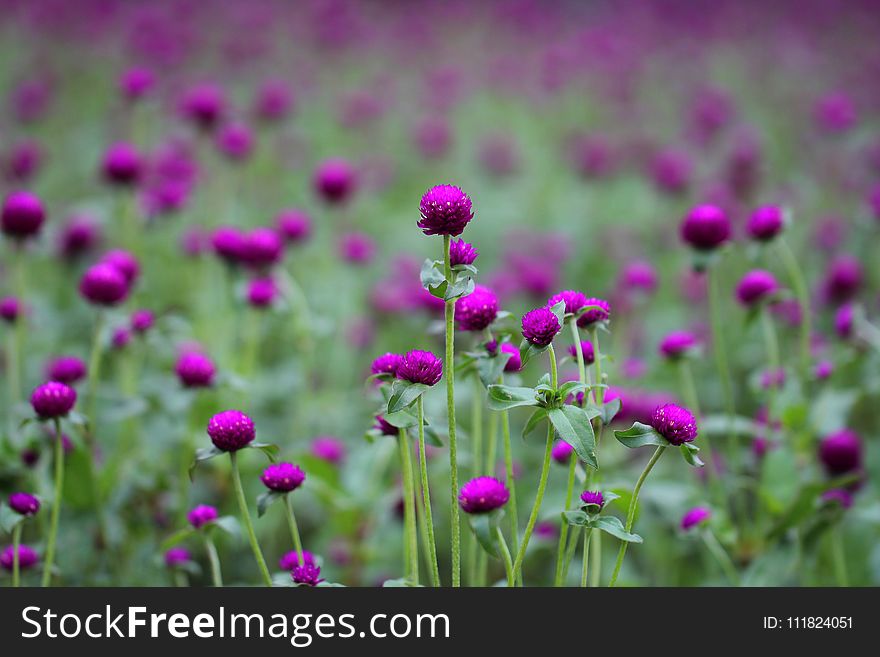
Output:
x=823 y=370
x=387 y=363
x=27 y=558
x=694 y=517
x=332 y=450
x=675 y=423
x=477 y=310
x=433 y=137
x=540 y=326
x=283 y=477
x=639 y=275
x=195 y=370
x=53 y=400
x=66 y=369
x=177 y=556
x=841 y=452
x=357 y=248
x=385 y=427
x=561 y=452
x=755 y=287
x=843 y=321
x=461 y=253
x=10 y=309
x=235 y=141
x=122 y=164
x=594 y=315
x=80 y=235
x=420 y=366
x=24 y=503
x=678 y=344
x=231 y=430
x=22 y=215
x=671 y=171
x=291 y=560
x=514 y=363
x=307 y=575
x=273 y=101
x=142 y=321
x=706 y=227
x=124 y=262
x=295 y=226
x=835 y=113
x=136 y=82
x=204 y=105
x=104 y=285
x=335 y=181
x=202 y=515
x=843 y=279
x=445 y=210
x=262 y=292
x=766 y=222
x=593 y=498
x=25 y=161
x=120 y=338
x=838 y=496
x=574 y=301
x=229 y=243
x=261 y=248
x=483 y=494
x=587 y=350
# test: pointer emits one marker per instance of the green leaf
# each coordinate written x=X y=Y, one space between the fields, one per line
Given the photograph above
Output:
x=271 y=451
x=536 y=418
x=401 y=419
x=432 y=437
x=9 y=519
x=577 y=518
x=530 y=351
x=483 y=525
x=461 y=287
x=502 y=397
x=639 y=435
x=432 y=276
x=403 y=394
x=228 y=524
x=490 y=368
x=574 y=427
x=470 y=269
x=570 y=388
x=689 y=451
x=265 y=500
x=609 y=411
x=721 y=425
x=612 y=525
x=558 y=309
x=203 y=454
x=177 y=537
x=397 y=583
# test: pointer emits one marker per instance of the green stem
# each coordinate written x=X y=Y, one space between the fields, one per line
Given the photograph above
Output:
x=511 y=482
x=773 y=362
x=13 y=366
x=16 y=542
x=214 y=560
x=294 y=528
x=599 y=396
x=410 y=543
x=803 y=295
x=598 y=391
x=94 y=377
x=536 y=508
x=449 y=366
x=692 y=400
x=56 y=505
x=718 y=348
x=505 y=556
x=839 y=557
x=477 y=457
x=17 y=333
x=586 y=559
x=492 y=444
x=596 y=557
x=631 y=512
x=721 y=556
x=579 y=351
x=249 y=526
x=569 y=553
x=563 y=532
x=426 y=496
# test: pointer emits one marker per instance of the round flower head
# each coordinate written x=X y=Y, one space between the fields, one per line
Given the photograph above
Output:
x=121 y=337
x=24 y=161
x=177 y=556
x=307 y=575
x=675 y=423
x=235 y=141
x=52 y=400
x=844 y=278
x=694 y=517
x=461 y=253
x=78 y=236
x=387 y=363
x=839 y=496
x=574 y=301
x=283 y=477
x=335 y=181
x=103 y=285
x=125 y=262
x=10 y=309
x=262 y=292
x=755 y=287
x=445 y=210
x=671 y=171
x=483 y=494
x=706 y=227
x=841 y=452
x=294 y=225
x=66 y=369
x=678 y=344
x=142 y=321
x=22 y=215
x=27 y=558
x=540 y=326
x=843 y=321
x=204 y=105
x=477 y=310
x=561 y=452
x=202 y=515
x=330 y=449
x=136 y=82
x=231 y=430
x=230 y=244
x=122 y=164
x=273 y=101
x=594 y=315
x=823 y=370
x=357 y=248
x=261 y=248
x=587 y=350
x=835 y=113
x=291 y=560
x=593 y=498
x=766 y=222
x=420 y=366
x=195 y=370
x=24 y=503
x=385 y=427
x=514 y=363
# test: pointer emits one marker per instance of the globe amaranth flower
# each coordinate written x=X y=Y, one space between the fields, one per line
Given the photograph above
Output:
x=22 y=215
x=639 y=276
x=482 y=495
x=307 y=575
x=841 y=452
x=755 y=287
x=461 y=253
x=385 y=427
x=593 y=498
x=273 y=101
x=540 y=326
x=24 y=503
x=387 y=363
x=195 y=370
x=330 y=449
x=231 y=430
x=678 y=344
x=843 y=279
x=335 y=181
x=204 y=104
x=24 y=161
x=235 y=141
x=66 y=369
x=675 y=423
x=514 y=363
x=262 y=292
x=295 y=226
x=103 y=285
x=283 y=477
x=177 y=556
x=671 y=171
x=290 y=560
x=420 y=366
x=229 y=244
x=844 y=321
x=839 y=496
x=477 y=310
x=599 y=314
x=136 y=82
x=124 y=262
x=202 y=515
x=445 y=210
x=694 y=517
x=10 y=309
x=122 y=164
x=53 y=400
x=706 y=227
x=574 y=301
x=260 y=248
x=357 y=248
x=561 y=452
x=586 y=349
x=142 y=321
x=823 y=370
x=121 y=338
x=78 y=236
x=27 y=558
x=765 y=223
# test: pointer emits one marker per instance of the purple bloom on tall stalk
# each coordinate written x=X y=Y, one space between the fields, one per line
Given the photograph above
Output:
x=823 y=370
x=639 y=275
x=66 y=369
x=274 y=101
x=561 y=452
x=461 y=253
x=675 y=423
x=22 y=215
x=142 y=321
x=445 y=210
x=136 y=82
x=24 y=162
x=262 y=292
x=202 y=515
x=335 y=181
x=841 y=452
x=24 y=503
x=540 y=326
x=843 y=321
x=122 y=164
x=678 y=344
x=27 y=558
x=261 y=248
x=235 y=141
x=482 y=495
x=671 y=171
x=231 y=430
x=307 y=575
x=295 y=226
x=593 y=497
x=586 y=349
x=514 y=363
x=177 y=556
x=290 y=560
x=283 y=477
x=835 y=113
x=595 y=315
x=78 y=236
x=477 y=310
x=766 y=222
x=843 y=279
x=121 y=338
x=419 y=366
x=10 y=309
x=756 y=286
x=706 y=227
x=53 y=400
x=204 y=105
x=124 y=262
x=387 y=363
x=357 y=248
x=332 y=450
x=195 y=370
x=574 y=301
x=229 y=244
x=694 y=517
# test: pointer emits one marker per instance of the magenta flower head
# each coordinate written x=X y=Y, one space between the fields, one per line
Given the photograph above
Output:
x=420 y=366
x=540 y=326
x=357 y=248
x=574 y=301
x=839 y=496
x=823 y=370
x=66 y=369
x=122 y=164
x=477 y=310
x=231 y=430
x=482 y=495
x=27 y=558
x=53 y=400
x=195 y=370
x=755 y=287
x=24 y=503
x=121 y=338
x=335 y=181
x=675 y=423
x=561 y=452
x=78 y=236
x=25 y=161
x=593 y=498
x=694 y=517
x=202 y=515
x=124 y=262
x=835 y=113
x=10 y=309
x=262 y=292
x=843 y=278
x=295 y=226
x=678 y=344
x=204 y=105
x=262 y=247
x=330 y=449
x=22 y=215
x=600 y=314
x=843 y=321
x=766 y=222
x=142 y=321
x=514 y=363
x=639 y=275
x=291 y=560
x=841 y=452
x=177 y=556
x=385 y=427
x=706 y=227
x=103 y=285
x=461 y=253
x=283 y=477
x=586 y=349
x=306 y=575
x=445 y=210
x=230 y=244
x=273 y=101
x=235 y=141
x=136 y=82
x=671 y=171
x=387 y=363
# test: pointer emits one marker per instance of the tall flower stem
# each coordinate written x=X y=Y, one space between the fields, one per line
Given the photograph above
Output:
x=214 y=560
x=410 y=541
x=17 y=333
x=294 y=528
x=94 y=380
x=692 y=399
x=599 y=396
x=631 y=512
x=720 y=555
x=799 y=284
x=426 y=497
x=563 y=532
x=773 y=361
x=505 y=556
x=720 y=354
x=511 y=482
x=839 y=559
x=186 y=458
x=246 y=519
x=476 y=468
x=449 y=366
x=569 y=553
x=16 y=542
x=56 y=505
x=586 y=559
